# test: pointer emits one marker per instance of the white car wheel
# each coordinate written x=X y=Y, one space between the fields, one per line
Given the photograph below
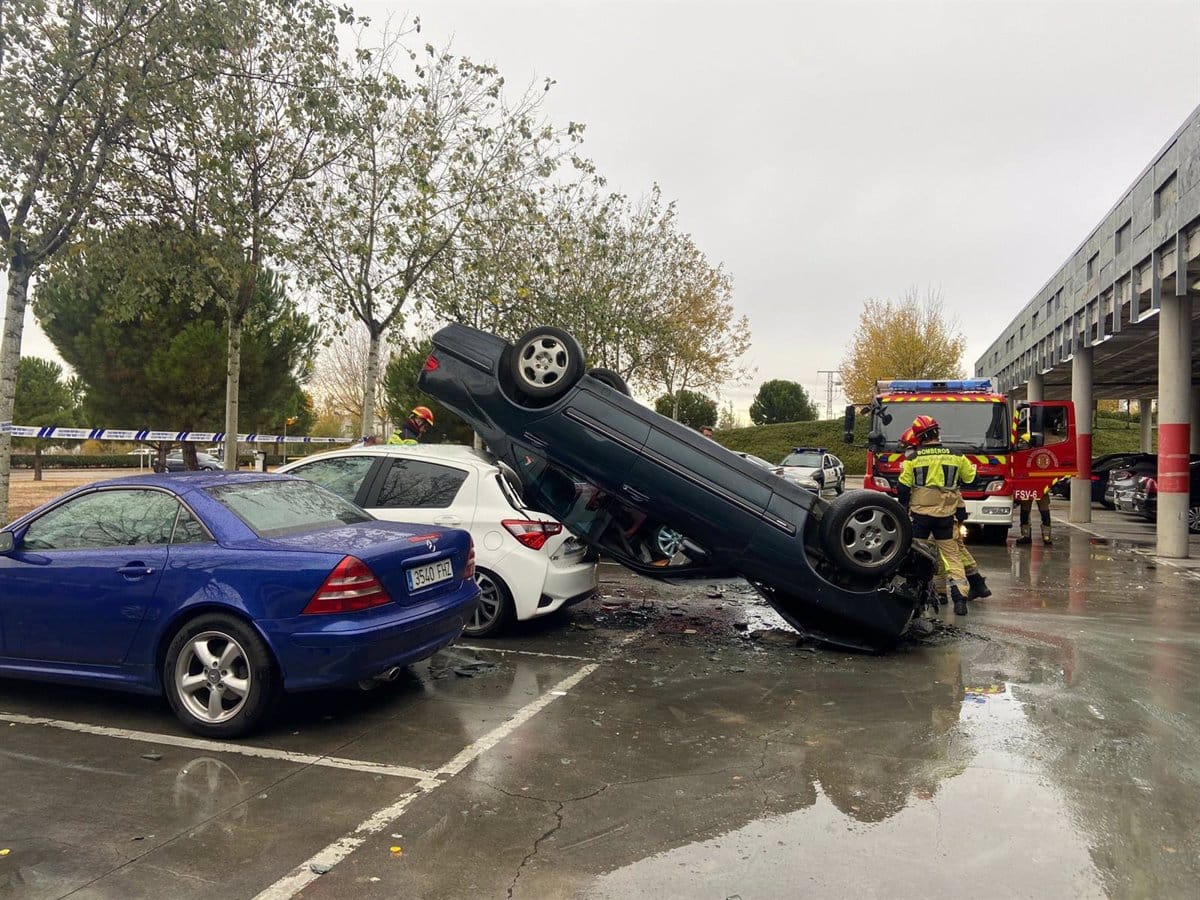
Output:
x=495 y=607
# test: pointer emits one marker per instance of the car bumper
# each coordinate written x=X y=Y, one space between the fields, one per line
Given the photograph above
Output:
x=532 y=576
x=566 y=585
x=316 y=652
x=990 y=511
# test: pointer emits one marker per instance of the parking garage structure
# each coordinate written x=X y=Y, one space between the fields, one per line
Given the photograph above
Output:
x=1118 y=321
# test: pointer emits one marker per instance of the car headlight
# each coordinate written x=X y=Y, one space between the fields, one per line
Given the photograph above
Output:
x=994 y=487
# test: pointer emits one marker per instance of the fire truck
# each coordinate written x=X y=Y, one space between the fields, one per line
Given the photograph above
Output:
x=1017 y=454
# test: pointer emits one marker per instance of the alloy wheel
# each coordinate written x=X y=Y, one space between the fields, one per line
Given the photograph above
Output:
x=213 y=677
x=544 y=361
x=491 y=604
x=872 y=536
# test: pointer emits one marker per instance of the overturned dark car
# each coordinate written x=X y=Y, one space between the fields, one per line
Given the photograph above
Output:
x=671 y=504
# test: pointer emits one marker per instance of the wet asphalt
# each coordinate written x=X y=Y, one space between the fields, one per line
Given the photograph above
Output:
x=666 y=742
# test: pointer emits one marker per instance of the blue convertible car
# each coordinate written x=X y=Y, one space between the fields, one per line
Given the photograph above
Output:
x=222 y=590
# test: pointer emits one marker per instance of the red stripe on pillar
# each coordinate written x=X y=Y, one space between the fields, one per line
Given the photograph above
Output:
x=1083 y=458
x=1174 y=440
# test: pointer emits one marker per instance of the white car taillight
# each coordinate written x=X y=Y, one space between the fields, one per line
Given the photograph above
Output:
x=533 y=534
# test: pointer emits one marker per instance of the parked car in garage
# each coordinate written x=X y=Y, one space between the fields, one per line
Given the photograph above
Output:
x=223 y=590
x=616 y=473
x=1101 y=466
x=1143 y=500
x=204 y=462
x=528 y=565
x=814 y=468
x=1123 y=479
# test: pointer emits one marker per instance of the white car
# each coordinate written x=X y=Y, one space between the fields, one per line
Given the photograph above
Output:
x=814 y=468
x=527 y=564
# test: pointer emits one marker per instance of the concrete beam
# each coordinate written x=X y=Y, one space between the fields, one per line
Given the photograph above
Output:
x=1195 y=419
x=1146 y=412
x=1174 y=428
x=1081 y=396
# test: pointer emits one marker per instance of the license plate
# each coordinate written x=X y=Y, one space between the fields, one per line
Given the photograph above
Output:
x=423 y=576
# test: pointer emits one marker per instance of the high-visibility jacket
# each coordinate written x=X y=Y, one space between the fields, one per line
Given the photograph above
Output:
x=929 y=481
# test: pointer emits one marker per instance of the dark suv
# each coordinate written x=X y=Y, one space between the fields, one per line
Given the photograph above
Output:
x=669 y=503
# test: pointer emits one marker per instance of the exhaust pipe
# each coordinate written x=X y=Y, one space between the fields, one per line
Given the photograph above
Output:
x=387 y=676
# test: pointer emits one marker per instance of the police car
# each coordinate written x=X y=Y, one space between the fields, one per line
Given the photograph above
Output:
x=814 y=468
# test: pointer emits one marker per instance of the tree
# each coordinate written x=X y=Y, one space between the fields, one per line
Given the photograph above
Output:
x=163 y=364
x=908 y=338
x=727 y=419
x=401 y=393
x=43 y=398
x=257 y=121
x=424 y=156
x=341 y=375
x=781 y=401
x=76 y=80
x=688 y=408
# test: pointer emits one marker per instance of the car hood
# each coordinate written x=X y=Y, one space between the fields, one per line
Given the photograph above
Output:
x=798 y=473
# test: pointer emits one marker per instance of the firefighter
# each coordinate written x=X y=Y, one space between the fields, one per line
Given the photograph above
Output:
x=414 y=427
x=929 y=490
x=979 y=589
x=1043 y=505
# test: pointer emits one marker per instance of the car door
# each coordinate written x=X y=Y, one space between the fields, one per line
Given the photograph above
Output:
x=425 y=492
x=350 y=476
x=81 y=576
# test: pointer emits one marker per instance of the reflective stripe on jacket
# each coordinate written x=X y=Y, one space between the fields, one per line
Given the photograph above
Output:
x=933 y=475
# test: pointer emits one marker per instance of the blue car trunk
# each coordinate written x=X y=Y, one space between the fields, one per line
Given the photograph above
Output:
x=413 y=566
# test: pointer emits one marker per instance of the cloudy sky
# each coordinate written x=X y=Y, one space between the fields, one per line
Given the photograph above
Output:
x=827 y=152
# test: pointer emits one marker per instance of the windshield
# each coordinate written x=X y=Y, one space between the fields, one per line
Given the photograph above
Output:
x=274 y=508
x=981 y=426
x=809 y=459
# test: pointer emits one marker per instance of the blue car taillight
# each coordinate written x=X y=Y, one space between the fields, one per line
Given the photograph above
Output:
x=350 y=587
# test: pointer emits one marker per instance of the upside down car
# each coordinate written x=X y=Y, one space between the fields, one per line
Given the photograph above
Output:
x=669 y=503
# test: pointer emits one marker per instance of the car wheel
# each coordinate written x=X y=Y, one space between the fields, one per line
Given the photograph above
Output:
x=219 y=676
x=546 y=363
x=665 y=543
x=840 y=487
x=1194 y=519
x=611 y=378
x=866 y=533
x=495 y=609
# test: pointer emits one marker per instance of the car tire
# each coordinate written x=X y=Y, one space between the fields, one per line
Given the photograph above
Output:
x=545 y=363
x=235 y=699
x=664 y=544
x=866 y=533
x=1193 y=519
x=611 y=378
x=840 y=487
x=495 y=611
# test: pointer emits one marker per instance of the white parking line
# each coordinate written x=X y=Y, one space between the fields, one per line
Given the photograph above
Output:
x=522 y=652
x=171 y=740
x=308 y=871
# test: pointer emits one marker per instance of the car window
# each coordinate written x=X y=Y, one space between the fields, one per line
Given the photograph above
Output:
x=188 y=529
x=342 y=474
x=273 y=508
x=808 y=460
x=834 y=461
x=416 y=484
x=127 y=518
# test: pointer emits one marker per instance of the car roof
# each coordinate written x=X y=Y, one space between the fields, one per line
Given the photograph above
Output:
x=461 y=454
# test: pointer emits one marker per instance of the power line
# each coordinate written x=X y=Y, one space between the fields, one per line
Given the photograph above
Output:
x=831 y=380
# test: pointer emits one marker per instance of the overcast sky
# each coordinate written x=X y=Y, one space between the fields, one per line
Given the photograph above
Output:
x=827 y=152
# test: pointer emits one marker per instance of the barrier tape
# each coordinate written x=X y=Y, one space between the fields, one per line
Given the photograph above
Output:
x=146 y=434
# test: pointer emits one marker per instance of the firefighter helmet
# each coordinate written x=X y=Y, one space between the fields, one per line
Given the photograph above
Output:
x=925 y=428
x=908 y=438
x=423 y=412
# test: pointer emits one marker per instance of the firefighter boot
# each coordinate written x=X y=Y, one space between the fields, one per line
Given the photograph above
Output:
x=1047 y=540
x=979 y=589
x=1026 y=535
x=960 y=602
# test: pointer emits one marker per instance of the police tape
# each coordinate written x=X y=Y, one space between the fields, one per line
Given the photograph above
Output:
x=150 y=435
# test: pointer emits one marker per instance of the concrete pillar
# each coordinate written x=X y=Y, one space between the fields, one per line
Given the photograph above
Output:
x=1174 y=428
x=1036 y=388
x=1081 y=396
x=1195 y=419
x=1147 y=417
